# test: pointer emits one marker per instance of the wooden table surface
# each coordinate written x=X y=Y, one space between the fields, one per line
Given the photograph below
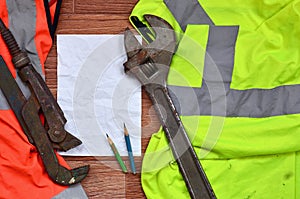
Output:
x=105 y=179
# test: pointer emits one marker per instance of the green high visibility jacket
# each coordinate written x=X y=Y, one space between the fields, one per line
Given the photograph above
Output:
x=235 y=80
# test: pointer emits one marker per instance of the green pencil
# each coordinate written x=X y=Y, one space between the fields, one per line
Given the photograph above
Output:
x=117 y=155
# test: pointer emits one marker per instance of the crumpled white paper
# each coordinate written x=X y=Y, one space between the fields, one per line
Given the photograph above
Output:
x=95 y=94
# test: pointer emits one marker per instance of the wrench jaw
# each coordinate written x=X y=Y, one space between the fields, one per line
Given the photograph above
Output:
x=150 y=63
x=68 y=143
x=54 y=116
x=165 y=39
x=69 y=177
x=56 y=172
x=132 y=45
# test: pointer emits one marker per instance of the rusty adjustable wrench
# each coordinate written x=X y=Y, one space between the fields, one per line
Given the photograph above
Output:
x=150 y=64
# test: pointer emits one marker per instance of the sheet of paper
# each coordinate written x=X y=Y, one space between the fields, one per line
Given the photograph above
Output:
x=97 y=97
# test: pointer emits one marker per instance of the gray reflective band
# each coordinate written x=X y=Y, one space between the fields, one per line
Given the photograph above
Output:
x=3 y=103
x=22 y=24
x=215 y=96
x=211 y=98
x=255 y=103
x=220 y=53
x=188 y=12
x=73 y=192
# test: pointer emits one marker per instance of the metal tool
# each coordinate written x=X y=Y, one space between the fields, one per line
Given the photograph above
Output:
x=52 y=134
x=55 y=120
x=150 y=64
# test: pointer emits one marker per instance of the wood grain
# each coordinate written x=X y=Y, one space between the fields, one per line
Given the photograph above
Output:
x=105 y=6
x=105 y=179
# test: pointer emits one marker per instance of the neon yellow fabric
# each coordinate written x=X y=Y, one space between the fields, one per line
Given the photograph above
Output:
x=187 y=67
x=265 y=26
x=249 y=157
x=252 y=158
x=266 y=176
x=157 y=8
x=277 y=36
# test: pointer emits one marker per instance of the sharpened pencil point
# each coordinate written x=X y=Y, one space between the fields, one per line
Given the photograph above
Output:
x=106 y=135
x=125 y=130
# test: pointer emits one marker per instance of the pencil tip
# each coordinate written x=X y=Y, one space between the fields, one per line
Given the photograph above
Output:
x=106 y=135
x=125 y=130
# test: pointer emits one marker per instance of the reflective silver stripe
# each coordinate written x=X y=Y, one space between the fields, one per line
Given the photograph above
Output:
x=22 y=24
x=215 y=97
x=188 y=12
x=209 y=99
x=3 y=103
x=248 y=103
x=73 y=192
x=220 y=52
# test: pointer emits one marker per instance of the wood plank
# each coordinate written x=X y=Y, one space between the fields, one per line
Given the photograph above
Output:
x=106 y=180
x=104 y=6
x=67 y=6
x=96 y=24
x=133 y=187
x=102 y=181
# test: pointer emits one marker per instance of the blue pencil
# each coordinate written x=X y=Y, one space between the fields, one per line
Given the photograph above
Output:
x=128 y=145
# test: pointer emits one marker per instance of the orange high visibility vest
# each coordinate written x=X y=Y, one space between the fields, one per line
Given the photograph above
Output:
x=22 y=174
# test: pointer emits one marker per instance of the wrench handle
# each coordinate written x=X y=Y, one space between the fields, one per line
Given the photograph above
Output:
x=189 y=165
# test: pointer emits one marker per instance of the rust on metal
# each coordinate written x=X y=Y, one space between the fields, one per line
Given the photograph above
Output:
x=45 y=137
x=150 y=65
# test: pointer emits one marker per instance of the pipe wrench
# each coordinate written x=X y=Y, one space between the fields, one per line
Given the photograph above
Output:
x=150 y=65
x=27 y=111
